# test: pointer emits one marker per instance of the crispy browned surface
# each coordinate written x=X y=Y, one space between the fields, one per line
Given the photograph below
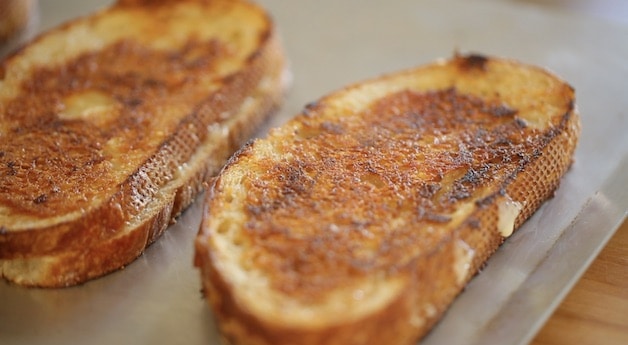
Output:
x=45 y=147
x=406 y=196
x=410 y=155
x=111 y=144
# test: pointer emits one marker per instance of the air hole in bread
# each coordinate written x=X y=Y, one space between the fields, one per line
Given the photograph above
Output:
x=306 y=132
x=237 y=240
x=241 y=182
x=373 y=179
x=223 y=227
x=229 y=197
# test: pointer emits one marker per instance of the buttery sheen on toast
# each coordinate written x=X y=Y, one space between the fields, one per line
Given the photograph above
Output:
x=360 y=220
x=110 y=124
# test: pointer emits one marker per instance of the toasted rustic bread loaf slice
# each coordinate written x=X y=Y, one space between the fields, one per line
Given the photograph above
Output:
x=18 y=21
x=14 y=17
x=360 y=220
x=112 y=123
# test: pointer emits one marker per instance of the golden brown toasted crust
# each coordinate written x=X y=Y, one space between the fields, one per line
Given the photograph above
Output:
x=359 y=221
x=126 y=131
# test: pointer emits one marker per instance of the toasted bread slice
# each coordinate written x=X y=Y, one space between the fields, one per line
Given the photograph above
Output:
x=18 y=21
x=112 y=123
x=14 y=17
x=361 y=219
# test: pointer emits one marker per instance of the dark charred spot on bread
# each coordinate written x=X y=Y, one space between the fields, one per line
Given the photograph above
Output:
x=136 y=3
x=41 y=199
x=536 y=153
x=263 y=38
x=474 y=223
x=309 y=108
x=332 y=127
x=11 y=168
x=428 y=190
x=501 y=110
x=520 y=123
x=432 y=217
x=473 y=176
x=295 y=180
x=473 y=62
x=133 y=102
x=459 y=192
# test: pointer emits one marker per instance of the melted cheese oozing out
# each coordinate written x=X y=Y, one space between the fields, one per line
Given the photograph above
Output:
x=464 y=256
x=508 y=212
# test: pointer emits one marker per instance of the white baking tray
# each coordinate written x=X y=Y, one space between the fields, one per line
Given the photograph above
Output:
x=157 y=299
